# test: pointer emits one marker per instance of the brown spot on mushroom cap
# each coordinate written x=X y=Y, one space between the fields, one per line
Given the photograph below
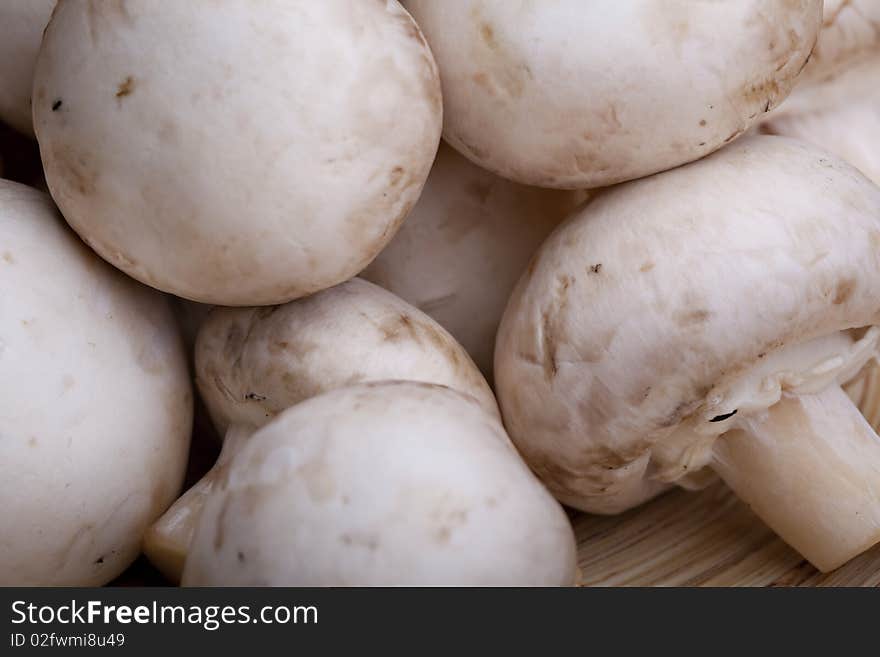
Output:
x=692 y=317
x=760 y=92
x=395 y=175
x=487 y=34
x=125 y=88
x=71 y=171
x=843 y=291
x=7 y=257
x=399 y=327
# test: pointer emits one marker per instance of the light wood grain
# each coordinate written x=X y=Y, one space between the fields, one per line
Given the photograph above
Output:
x=708 y=538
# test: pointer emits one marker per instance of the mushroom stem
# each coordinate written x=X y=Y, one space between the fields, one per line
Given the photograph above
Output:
x=810 y=468
x=167 y=541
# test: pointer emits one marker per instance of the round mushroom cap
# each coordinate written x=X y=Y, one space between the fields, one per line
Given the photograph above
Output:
x=636 y=308
x=21 y=30
x=394 y=483
x=95 y=404
x=314 y=172
x=253 y=363
x=576 y=95
x=460 y=252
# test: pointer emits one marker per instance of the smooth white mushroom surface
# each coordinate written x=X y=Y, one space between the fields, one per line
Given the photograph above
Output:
x=253 y=363
x=395 y=483
x=735 y=296
x=836 y=104
x=465 y=244
x=257 y=156
x=95 y=404
x=21 y=30
x=573 y=94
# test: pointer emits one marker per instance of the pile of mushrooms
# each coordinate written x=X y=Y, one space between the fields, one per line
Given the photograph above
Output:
x=416 y=352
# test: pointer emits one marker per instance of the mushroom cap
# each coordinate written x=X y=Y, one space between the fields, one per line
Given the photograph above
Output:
x=836 y=104
x=316 y=167
x=841 y=116
x=463 y=247
x=21 y=29
x=637 y=306
x=252 y=363
x=393 y=483
x=849 y=35
x=549 y=94
x=95 y=404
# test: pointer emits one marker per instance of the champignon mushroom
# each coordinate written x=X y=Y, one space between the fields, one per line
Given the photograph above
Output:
x=253 y=363
x=462 y=249
x=315 y=167
x=21 y=29
x=735 y=295
x=95 y=404
x=549 y=94
x=837 y=103
x=392 y=483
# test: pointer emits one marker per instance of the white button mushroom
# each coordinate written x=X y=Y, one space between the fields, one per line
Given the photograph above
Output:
x=21 y=29
x=253 y=363
x=574 y=94
x=95 y=404
x=464 y=246
x=706 y=316
x=394 y=483
x=836 y=105
x=259 y=155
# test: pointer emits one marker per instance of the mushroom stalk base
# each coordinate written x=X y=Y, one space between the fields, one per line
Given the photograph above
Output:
x=810 y=468
x=167 y=541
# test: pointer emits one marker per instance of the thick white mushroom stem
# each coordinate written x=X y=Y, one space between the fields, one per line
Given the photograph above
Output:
x=810 y=468
x=167 y=541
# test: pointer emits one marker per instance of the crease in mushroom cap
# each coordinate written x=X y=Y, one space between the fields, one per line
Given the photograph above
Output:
x=836 y=104
x=314 y=169
x=548 y=94
x=95 y=404
x=461 y=250
x=21 y=30
x=253 y=363
x=299 y=505
x=736 y=295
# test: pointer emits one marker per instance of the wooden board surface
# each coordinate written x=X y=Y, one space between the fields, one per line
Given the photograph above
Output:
x=708 y=538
